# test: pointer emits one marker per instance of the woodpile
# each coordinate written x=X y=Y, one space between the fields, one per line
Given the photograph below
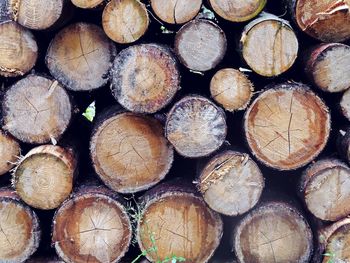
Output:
x=141 y=131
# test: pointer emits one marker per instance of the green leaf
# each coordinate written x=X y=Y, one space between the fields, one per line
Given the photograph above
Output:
x=90 y=112
x=165 y=30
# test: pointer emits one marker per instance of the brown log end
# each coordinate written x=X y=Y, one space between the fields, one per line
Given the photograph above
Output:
x=328 y=21
x=87 y=4
x=196 y=126
x=145 y=78
x=328 y=66
x=231 y=89
x=19 y=50
x=80 y=57
x=176 y=11
x=44 y=177
x=125 y=21
x=274 y=232
x=345 y=104
x=130 y=152
x=287 y=126
x=91 y=227
x=36 y=110
x=236 y=10
x=325 y=188
x=231 y=183
x=200 y=45
x=269 y=45
x=179 y=224
x=9 y=152
x=20 y=233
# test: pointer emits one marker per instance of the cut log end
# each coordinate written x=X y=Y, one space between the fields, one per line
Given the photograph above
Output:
x=269 y=46
x=200 y=45
x=20 y=234
x=180 y=224
x=145 y=78
x=280 y=130
x=345 y=104
x=231 y=89
x=231 y=183
x=91 y=227
x=130 y=152
x=80 y=57
x=196 y=127
x=9 y=152
x=125 y=21
x=36 y=110
x=275 y=232
x=87 y=4
x=236 y=10
x=328 y=21
x=44 y=178
x=19 y=50
x=176 y=11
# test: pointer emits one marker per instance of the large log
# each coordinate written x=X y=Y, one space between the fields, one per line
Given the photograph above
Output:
x=231 y=183
x=145 y=78
x=92 y=226
x=274 y=232
x=87 y=4
x=36 y=110
x=18 y=50
x=287 y=126
x=129 y=151
x=177 y=222
x=19 y=228
x=196 y=126
x=44 y=177
x=327 y=20
x=269 y=45
x=9 y=152
x=200 y=45
x=80 y=57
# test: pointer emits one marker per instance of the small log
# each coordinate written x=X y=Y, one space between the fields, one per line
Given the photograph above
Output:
x=327 y=21
x=232 y=89
x=9 y=152
x=44 y=177
x=345 y=103
x=176 y=11
x=129 y=151
x=125 y=21
x=145 y=78
x=92 y=226
x=274 y=232
x=36 y=110
x=343 y=144
x=20 y=232
x=176 y=221
x=236 y=10
x=80 y=57
x=231 y=183
x=200 y=45
x=325 y=188
x=19 y=50
x=269 y=45
x=196 y=126
x=327 y=66
x=87 y=4
x=287 y=126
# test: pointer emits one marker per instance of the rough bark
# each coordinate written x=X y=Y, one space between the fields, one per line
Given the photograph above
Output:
x=92 y=226
x=20 y=233
x=125 y=21
x=345 y=103
x=44 y=177
x=9 y=152
x=129 y=151
x=232 y=89
x=145 y=78
x=36 y=110
x=87 y=4
x=19 y=50
x=287 y=126
x=176 y=11
x=236 y=10
x=269 y=45
x=195 y=126
x=328 y=65
x=80 y=57
x=274 y=232
x=200 y=45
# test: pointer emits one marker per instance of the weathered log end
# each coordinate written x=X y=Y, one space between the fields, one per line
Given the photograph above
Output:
x=9 y=152
x=87 y=4
x=345 y=104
